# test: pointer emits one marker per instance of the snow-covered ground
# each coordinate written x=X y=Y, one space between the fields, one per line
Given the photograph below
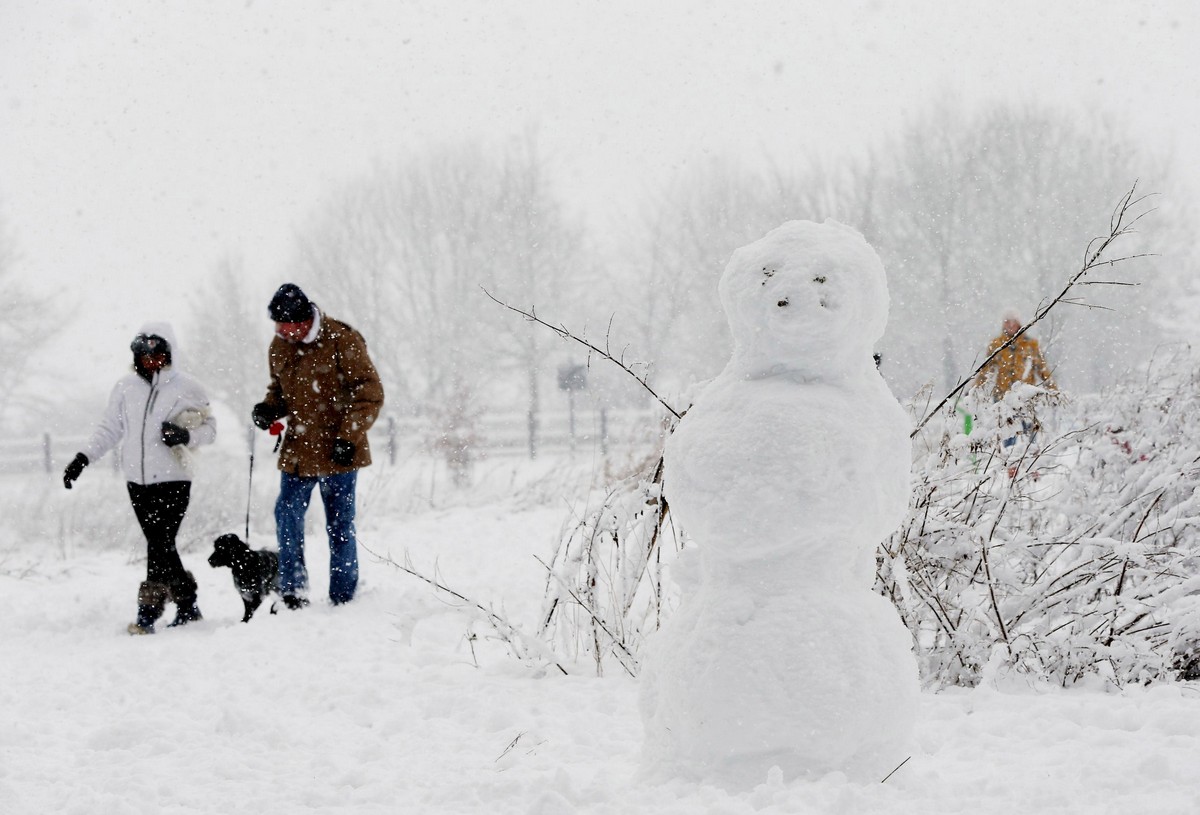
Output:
x=388 y=705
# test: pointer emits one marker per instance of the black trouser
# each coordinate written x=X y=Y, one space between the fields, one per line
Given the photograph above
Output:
x=160 y=509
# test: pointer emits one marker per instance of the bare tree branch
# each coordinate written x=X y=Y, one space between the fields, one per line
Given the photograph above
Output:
x=506 y=630
x=566 y=334
x=617 y=642
x=1121 y=224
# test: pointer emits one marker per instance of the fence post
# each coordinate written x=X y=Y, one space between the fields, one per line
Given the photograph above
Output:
x=46 y=453
x=391 y=443
x=571 y=420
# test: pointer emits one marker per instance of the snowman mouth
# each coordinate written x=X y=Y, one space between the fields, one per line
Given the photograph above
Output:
x=784 y=302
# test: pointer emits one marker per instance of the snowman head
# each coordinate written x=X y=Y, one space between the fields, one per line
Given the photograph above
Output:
x=806 y=298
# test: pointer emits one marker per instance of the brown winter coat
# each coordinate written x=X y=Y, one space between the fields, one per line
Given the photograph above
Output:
x=1020 y=362
x=331 y=391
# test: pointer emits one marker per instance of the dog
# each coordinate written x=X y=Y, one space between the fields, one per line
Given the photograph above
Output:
x=255 y=571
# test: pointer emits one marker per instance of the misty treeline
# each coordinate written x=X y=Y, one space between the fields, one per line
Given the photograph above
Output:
x=405 y=254
x=972 y=211
x=22 y=328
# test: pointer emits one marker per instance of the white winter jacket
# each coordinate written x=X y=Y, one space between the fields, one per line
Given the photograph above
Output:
x=133 y=419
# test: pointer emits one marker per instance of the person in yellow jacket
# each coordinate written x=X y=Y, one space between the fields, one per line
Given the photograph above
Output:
x=1021 y=361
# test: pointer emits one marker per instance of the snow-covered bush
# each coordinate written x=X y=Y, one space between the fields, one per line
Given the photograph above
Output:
x=1071 y=552
x=605 y=583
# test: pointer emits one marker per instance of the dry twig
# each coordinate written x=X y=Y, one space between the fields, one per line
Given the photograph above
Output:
x=503 y=627
x=605 y=353
x=1120 y=224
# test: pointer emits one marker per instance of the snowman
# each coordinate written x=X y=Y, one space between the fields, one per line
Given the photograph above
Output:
x=787 y=472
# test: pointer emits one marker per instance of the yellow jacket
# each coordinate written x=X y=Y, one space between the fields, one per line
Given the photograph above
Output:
x=1020 y=362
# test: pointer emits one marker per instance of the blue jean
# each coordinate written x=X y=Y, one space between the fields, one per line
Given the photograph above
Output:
x=337 y=493
x=1025 y=425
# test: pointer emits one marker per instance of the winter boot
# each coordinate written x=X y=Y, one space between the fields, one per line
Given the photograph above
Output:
x=294 y=602
x=183 y=594
x=185 y=615
x=151 y=599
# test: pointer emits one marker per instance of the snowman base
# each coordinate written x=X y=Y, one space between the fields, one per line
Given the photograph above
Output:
x=812 y=685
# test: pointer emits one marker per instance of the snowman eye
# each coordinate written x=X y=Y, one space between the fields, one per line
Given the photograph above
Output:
x=782 y=303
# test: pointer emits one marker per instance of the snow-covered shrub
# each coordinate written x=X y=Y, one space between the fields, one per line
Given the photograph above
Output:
x=1069 y=553
x=604 y=588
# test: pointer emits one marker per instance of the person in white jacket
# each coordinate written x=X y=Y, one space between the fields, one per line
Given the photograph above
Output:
x=154 y=415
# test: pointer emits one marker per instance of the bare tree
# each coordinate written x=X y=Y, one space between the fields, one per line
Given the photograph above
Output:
x=232 y=330
x=686 y=234
x=19 y=332
x=924 y=224
x=397 y=254
x=538 y=258
x=402 y=254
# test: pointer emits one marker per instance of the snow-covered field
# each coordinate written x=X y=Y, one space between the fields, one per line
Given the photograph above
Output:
x=389 y=705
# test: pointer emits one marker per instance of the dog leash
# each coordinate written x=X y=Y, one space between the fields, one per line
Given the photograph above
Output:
x=250 y=483
x=275 y=430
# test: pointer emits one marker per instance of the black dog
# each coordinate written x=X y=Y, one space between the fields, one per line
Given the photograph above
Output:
x=255 y=572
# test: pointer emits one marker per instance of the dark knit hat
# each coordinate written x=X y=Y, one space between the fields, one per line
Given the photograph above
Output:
x=290 y=305
x=145 y=345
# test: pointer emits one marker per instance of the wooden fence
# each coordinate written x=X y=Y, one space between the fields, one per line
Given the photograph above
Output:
x=397 y=438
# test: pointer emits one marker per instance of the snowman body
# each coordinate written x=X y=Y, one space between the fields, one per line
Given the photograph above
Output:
x=788 y=471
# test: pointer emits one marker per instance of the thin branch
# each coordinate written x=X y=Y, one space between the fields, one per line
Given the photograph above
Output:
x=566 y=334
x=617 y=644
x=503 y=627
x=893 y=772
x=1120 y=224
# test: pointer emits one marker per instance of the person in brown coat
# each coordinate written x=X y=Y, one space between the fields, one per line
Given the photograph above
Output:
x=1020 y=362
x=324 y=383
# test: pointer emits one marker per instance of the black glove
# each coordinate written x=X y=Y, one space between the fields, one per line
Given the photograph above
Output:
x=173 y=434
x=343 y=453
x=74 y=469
x=265 y=413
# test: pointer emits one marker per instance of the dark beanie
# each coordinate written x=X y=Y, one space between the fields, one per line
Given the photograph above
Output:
x=290 y=305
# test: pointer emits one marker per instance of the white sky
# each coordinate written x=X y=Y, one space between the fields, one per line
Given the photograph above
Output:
x=141 y=140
